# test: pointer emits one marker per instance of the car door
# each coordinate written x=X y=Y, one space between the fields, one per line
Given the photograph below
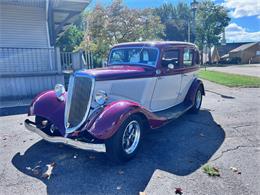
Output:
x=189 y=67
x=168 y=81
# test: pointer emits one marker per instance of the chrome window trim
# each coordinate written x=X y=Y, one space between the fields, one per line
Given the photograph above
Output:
x=134 y=47
x=68 y=101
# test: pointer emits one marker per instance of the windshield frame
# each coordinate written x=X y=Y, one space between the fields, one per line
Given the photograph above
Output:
x=135 y=63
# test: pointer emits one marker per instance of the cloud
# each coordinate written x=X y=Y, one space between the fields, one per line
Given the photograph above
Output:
x=236 y=33
x=241 y=8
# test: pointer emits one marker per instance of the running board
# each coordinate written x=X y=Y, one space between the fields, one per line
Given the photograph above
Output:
x=174 y=112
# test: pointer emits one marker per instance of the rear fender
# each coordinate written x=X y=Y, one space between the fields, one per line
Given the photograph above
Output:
x=114 y=114
x=48 y=106
x=190 y=97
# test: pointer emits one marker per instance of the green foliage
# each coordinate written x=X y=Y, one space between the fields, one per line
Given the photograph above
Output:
x=116 y=24
x=211 y=19
x=211 y=171
x=176 y=20
x=230 y=80
x=71 y=39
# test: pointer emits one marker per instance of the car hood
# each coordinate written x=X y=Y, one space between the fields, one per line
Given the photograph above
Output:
x=120 y=72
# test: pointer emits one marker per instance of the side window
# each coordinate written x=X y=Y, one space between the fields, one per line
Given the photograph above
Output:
x=117 y=57
x=187 y=57
x=171 y=57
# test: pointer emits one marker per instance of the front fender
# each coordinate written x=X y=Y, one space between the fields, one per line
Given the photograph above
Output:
x=48 y=106
x=113 y=115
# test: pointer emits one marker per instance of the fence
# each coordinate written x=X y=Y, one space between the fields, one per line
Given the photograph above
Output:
x=24 y=72
x=76 y=60
x=22 y=60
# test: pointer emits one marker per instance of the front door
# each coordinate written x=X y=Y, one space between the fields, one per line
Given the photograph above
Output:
x=168 y=82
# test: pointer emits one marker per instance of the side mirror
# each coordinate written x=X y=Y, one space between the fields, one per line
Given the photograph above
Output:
x=170 y=66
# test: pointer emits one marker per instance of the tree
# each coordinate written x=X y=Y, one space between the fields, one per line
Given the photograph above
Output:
x=211 y=19
x=73 y=36
x=117 y=23
x=152 y=28
x=176 y=20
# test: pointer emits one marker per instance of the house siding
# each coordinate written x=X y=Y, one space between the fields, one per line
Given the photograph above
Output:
x=23 y=27
x=27 y=86
x=246 y=55
x=24 y=70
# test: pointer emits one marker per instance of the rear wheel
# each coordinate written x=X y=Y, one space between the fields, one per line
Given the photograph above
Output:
x=124 y=144
x=197 y=102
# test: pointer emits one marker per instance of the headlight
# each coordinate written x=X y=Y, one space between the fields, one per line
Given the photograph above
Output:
x=101 y=97
x=59 y=91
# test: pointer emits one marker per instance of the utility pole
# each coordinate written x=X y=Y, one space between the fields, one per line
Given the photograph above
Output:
x=188 y=31
x=194 y=6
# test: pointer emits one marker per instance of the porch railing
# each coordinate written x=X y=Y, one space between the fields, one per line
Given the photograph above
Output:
x=22 y=60
x=76 y=60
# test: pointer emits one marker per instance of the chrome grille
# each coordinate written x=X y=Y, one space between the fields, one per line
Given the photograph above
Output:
x=78 y=102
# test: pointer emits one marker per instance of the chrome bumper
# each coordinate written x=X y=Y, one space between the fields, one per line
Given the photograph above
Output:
x=56 y=139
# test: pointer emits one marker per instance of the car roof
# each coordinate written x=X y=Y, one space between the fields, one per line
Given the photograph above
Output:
x=154 y=43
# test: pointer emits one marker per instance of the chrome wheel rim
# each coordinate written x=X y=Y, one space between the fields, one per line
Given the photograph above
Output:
x=198 y=99
x=131 y=137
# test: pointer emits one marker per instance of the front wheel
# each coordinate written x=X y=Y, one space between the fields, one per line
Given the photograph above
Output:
x=46 y=126
x=123 y=145
x=197 y=102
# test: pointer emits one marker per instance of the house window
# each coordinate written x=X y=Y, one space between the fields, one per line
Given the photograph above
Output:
x=257 y=53
x=187 y=57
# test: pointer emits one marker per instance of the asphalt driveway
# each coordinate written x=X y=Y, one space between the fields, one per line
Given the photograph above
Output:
x=224 y=134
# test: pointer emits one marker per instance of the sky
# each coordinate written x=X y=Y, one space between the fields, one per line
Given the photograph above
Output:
x=245 y=15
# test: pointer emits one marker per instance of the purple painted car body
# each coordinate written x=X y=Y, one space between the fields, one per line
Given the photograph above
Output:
x=105 y=120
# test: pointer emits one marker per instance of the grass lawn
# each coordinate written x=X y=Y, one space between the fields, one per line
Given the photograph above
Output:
x=230 y=80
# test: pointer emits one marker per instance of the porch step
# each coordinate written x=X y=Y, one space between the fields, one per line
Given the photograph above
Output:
x=175 y=111
x=15 y=106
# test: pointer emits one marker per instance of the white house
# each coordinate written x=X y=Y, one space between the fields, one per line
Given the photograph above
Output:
x=29 y=60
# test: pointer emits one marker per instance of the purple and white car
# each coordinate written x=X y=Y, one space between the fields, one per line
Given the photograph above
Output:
x=145 y=85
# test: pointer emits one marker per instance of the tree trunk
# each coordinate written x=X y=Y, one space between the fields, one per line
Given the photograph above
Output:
x=209 y=56
x=201 y=57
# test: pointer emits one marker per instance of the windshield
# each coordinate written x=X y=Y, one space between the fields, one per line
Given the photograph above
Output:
x=134 y=55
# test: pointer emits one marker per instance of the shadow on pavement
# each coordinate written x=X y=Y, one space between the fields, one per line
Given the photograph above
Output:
x=180 y=148
x=221 y=95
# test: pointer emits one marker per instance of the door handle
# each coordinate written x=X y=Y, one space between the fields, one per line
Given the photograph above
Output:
x=185 y=75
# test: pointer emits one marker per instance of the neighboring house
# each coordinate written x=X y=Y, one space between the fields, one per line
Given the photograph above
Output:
x=222 y=51
x=248 y=53
x=29 y=61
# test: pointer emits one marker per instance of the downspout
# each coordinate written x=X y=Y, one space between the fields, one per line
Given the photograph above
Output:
x=48 y=36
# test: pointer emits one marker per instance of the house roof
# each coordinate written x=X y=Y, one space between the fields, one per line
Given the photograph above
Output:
x=66 y=12
x=243 y=47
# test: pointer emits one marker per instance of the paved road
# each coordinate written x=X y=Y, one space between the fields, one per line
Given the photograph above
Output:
x=247 y=69
x=225 y=133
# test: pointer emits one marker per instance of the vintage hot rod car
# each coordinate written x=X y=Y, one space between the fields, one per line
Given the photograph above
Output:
x=143 y=86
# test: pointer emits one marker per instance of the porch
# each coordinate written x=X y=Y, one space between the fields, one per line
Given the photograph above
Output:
x=28 y=71
x=30 y=62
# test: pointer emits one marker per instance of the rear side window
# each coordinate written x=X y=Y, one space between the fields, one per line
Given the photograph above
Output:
x=171 y=57
x=188 y=57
